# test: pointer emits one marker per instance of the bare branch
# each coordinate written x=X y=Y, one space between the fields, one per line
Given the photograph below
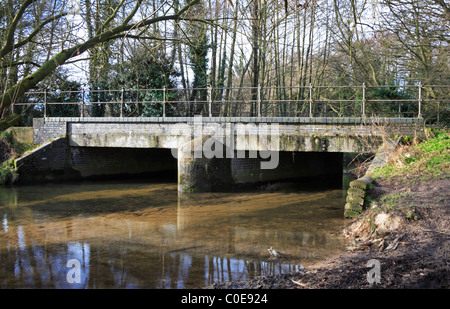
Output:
x=9 y=42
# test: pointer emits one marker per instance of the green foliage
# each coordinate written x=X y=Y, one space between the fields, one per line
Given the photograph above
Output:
x=198 y=52
x=405 y=109
x=72 y=95
x=10 y=149
x=6 y=135
x=16 y=147
x=8 y=172
x=440 y=142
x=431 y=157
x=406 y=140
x=60 y=89
x=149 y=70
x=390 y=201
x=189 y=189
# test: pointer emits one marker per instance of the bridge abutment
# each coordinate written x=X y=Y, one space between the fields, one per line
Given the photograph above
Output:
x=57 y=160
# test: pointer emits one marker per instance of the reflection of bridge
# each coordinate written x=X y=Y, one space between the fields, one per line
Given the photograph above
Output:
x=158 y=231
x=213 y=152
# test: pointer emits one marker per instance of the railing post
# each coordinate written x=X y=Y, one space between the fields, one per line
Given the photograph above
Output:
x=420 y=100
x=82 y=104
x=310 y=100
x=364 y=101
x=164 y=102
x=439 y=109
x=45 y=103
x=209 y=100
x=259 y=100
x=122 y=91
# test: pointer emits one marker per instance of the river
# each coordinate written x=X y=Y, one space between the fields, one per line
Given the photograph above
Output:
x=141 y=234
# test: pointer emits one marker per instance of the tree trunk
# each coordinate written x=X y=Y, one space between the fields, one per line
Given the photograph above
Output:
x=255 y=54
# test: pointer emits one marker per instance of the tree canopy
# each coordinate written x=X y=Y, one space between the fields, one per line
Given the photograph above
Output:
x=280 y=46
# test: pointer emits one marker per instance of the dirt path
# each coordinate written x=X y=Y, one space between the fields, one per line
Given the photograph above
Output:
x=419 y=253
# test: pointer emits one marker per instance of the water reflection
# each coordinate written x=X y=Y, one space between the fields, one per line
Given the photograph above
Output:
x=141 y=235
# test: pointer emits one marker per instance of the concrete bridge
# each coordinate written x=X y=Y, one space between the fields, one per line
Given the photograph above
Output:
x=206 y=153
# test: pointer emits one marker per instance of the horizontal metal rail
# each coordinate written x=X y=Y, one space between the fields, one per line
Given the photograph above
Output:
x=295 y=101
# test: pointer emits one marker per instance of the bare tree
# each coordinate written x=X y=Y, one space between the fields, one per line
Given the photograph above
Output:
x=71 y=46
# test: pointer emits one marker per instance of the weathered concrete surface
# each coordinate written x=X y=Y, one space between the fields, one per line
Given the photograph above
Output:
x=289 y=138
x=291 y=165
x=22 y=135
x=56 y=160
x=197 y=172
x=358 y=189
x=294 y=134
x=47 y=129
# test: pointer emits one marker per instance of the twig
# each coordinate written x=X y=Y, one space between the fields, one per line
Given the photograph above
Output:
x=443 y=233
x=300 y=284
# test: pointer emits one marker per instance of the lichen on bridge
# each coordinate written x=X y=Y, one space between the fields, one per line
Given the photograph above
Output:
x=345 y=134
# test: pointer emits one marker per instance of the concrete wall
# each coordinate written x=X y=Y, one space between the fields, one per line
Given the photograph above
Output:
x=48 y=162
x=23 y=135
x=307 y=147
x=197 y=172
x=54 y=161
x=46 y=130
x=344 y=138
x=291 y=165
x=297 y=134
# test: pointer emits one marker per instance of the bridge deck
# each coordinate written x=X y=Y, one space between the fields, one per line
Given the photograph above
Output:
x=306 y=120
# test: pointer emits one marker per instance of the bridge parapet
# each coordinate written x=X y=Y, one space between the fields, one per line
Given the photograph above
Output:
x=316 y=134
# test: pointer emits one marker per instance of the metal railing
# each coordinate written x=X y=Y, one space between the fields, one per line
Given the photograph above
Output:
x=296 y=101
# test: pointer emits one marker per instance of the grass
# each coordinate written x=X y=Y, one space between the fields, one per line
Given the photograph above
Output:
x=413 y=161
x=390 y=201
x=422 y=159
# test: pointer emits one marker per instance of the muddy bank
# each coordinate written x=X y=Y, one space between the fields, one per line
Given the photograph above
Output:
x=411 y=243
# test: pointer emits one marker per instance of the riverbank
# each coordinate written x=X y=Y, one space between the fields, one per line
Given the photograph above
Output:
x=419 y=257
x=405 y=227
x=13 y=143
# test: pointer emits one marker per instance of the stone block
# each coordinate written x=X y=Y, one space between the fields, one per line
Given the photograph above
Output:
x=355 y=199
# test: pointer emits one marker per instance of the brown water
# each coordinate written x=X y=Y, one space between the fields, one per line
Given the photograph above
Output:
x=144 y=235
